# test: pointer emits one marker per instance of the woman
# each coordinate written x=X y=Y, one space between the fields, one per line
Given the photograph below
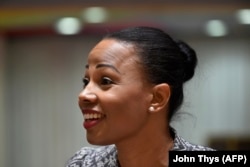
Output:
x=133 y=85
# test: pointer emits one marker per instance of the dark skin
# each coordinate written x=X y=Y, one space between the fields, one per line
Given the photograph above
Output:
x=116 y=86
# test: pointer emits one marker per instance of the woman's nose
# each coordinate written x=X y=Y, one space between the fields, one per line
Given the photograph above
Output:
x=87 y=96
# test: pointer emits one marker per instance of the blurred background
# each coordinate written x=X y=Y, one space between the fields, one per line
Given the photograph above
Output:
x=43 y=50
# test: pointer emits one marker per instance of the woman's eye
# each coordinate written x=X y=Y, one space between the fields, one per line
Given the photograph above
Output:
x=106 y=81
x=85 y=82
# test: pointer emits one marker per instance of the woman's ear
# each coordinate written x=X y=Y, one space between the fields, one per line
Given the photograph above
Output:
x=161 y=95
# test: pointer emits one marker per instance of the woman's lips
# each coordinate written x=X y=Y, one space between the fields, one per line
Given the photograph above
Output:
x=91 y=123
x=91 y=118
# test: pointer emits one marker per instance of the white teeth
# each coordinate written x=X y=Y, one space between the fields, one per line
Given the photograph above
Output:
x=92 y=116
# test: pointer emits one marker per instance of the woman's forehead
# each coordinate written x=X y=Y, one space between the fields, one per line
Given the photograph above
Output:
x=112 y=51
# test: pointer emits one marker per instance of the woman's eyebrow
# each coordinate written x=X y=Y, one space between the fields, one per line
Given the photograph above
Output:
x=105 y=65
x=109 y=66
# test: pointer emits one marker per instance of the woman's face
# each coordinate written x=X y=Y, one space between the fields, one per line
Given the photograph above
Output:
x=116 y=96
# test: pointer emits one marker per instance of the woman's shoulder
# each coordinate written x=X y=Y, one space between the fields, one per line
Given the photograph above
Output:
x=181 y=144
x=91 y=157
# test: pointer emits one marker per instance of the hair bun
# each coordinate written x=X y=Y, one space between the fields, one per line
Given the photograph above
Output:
x=190 y=61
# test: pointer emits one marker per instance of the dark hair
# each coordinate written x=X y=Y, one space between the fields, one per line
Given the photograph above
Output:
x=165 y=60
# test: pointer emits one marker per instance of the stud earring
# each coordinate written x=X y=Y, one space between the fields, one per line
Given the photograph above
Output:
x=151 y=109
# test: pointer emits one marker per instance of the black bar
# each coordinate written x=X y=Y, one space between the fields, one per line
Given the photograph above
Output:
x=209 y=158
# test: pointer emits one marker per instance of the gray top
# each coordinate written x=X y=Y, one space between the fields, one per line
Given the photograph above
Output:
x=106 y=156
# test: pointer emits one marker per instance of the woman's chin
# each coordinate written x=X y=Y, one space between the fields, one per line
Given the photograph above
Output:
x=97 y=141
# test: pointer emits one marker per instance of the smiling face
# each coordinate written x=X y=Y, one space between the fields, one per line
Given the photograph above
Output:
x=116 y=96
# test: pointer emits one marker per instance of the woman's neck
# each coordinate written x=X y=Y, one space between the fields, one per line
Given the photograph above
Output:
x=151 y=150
